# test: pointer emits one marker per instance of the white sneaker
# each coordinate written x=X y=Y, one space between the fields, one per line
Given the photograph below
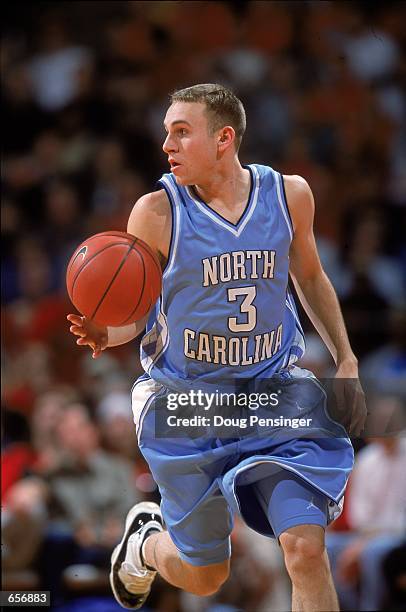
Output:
x=129 y=578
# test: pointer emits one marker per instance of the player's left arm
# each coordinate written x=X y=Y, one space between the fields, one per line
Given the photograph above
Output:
x=315 y=290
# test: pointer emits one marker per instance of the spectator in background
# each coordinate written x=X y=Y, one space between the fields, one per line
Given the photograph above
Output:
x=251 y=580
x=63 y=229
x=91 y=488
x=100 y=377
x=23 y=525
x=28 y=373
x=23 y=512
x=32 y=324
x=394 y=569
x=47 y=414
x=115 y=419
x=109 y=164
x=90 y=491
x=82 y=116
x=376 y=513
x=19 y=109
x=369 y=282
x=384 y=370
x=116 y=424
x=263 y=562
x=58 y=71
x=365 y=257
x=372 y=54
x=17 y=453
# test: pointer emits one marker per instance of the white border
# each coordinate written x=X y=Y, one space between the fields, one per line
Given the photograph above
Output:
x=143 y=394
x=176 y=225
x=213 y=217
x=278 y=189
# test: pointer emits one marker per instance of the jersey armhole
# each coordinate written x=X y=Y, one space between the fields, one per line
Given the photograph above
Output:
x=165 y=184
x=285 y=204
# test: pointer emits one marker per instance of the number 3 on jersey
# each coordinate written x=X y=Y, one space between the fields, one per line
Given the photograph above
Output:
x=246 y=307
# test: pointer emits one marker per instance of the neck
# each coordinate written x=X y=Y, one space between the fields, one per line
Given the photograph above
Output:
x=227 y=184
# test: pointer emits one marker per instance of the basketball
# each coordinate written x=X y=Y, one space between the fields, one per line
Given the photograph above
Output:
x=113 y=278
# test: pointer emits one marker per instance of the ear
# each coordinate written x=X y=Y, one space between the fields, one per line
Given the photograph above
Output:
x=226 y=138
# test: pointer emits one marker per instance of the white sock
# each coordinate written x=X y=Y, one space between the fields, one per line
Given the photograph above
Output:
x=143 y=550
x=132 y=558
x=149 y=533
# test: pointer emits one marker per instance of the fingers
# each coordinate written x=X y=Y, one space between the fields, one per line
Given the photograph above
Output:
x=359 y=425
x=77 y=328
x=77 y=331
x=359 y=414
x=343 y=407
x=96 y=348
x=351 y=405
x=355 y=429
x=83 y=341
x=75 y=319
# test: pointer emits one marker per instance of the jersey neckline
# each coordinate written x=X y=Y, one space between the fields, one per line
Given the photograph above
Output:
x=235 y=228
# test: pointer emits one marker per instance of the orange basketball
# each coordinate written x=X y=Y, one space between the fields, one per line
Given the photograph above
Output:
x=113 y=278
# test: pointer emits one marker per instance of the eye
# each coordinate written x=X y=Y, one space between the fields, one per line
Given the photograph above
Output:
x=182 y=132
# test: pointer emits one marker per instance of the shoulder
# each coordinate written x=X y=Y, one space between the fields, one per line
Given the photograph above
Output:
x=151 y=220
x=155 y=202
x=151 y=207
x=298 y=191
x=299 y=198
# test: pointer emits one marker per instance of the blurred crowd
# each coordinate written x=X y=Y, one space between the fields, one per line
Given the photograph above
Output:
x=85 y=89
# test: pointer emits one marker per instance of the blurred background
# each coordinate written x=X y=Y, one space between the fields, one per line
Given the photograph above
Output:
x=85 y=89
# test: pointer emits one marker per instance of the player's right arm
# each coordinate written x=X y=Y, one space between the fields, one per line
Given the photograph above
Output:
x=150 y=220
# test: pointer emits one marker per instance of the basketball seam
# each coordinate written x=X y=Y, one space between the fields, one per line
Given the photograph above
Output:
x=74 y=258
x=150 y=253
x=84 y=243
x=85 y=264
x=130 y=248
x=142 y=290
x=137 y=240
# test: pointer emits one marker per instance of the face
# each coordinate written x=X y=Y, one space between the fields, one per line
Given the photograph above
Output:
x=76 y=433
x=192 y=151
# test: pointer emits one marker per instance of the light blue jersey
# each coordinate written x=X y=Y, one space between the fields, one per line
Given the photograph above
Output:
x=225 y=315
x=225 y=311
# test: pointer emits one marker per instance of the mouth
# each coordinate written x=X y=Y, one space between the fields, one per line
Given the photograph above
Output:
x=173 y=164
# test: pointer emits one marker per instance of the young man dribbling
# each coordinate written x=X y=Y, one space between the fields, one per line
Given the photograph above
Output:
x=228 y=236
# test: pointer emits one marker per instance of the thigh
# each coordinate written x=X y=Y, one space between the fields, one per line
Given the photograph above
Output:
x=196 y=514
x=289 y=501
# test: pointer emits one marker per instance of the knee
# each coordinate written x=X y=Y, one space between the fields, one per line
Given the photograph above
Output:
x=303 y=553
x=208 y=579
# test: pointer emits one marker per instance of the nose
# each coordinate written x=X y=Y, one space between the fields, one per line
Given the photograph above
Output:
x=168 y=144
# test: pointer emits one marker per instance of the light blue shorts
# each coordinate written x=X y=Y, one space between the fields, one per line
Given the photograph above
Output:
x=274 y=482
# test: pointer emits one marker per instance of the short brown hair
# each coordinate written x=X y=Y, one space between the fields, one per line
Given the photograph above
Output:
x=223 y=106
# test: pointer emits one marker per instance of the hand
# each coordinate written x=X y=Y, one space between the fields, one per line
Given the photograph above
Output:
x=89 y=334
x=350 y=397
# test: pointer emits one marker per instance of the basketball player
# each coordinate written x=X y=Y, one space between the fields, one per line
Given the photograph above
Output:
x=228 y=236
